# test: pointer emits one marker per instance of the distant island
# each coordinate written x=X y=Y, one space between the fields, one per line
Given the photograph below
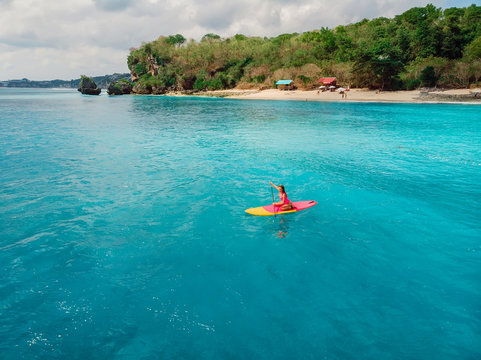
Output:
x=101 y=81
x=425 y=47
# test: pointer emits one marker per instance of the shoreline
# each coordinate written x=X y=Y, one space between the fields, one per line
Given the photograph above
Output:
x=454 y=96
x=457 y=96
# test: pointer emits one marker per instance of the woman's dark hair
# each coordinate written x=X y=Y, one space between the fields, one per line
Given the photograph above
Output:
x=282 y=188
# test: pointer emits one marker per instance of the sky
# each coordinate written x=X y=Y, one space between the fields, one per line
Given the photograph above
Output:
x=52 y=39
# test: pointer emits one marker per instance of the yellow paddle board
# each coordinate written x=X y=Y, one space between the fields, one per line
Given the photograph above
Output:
x=269 y=210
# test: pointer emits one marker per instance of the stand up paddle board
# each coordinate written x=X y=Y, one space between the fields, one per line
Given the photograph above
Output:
x=269 y=209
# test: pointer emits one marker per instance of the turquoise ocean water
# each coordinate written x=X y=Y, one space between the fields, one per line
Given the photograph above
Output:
x=123 y=233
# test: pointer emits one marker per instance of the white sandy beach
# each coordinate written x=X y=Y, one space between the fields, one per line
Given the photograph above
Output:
x=413 y=96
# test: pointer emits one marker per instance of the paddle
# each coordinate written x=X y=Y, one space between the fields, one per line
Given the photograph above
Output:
x=272 y=192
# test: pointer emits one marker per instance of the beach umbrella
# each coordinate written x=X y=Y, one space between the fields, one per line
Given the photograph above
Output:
x=322 y=87
x=341 y=89
x=332 y=87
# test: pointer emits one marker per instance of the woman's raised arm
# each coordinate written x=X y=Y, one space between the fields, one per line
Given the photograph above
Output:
x=274 y=186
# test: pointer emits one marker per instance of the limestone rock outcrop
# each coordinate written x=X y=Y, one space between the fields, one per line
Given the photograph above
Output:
x=142 y=89
x=119 y=88
x=88 y=87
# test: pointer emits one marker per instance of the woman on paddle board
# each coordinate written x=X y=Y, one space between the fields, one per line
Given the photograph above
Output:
x=285 y=203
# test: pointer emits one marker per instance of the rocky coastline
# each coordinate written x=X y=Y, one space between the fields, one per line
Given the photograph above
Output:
x=88 y=87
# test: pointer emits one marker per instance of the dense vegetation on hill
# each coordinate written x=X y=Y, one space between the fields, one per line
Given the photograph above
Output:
x=425 y=46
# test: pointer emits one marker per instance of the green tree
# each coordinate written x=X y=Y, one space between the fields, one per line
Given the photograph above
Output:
x=470 y=23
x=473 y=50
x=453 y=40
x=210 y=37
x=428 y=76
x=177 y=39
x=239 y=37
x=387 y=63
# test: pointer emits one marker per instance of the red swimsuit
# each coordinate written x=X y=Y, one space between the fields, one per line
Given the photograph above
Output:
x=286 y=200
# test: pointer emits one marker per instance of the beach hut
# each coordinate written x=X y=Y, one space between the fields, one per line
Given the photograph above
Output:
x=328 y=81
x=285 y=85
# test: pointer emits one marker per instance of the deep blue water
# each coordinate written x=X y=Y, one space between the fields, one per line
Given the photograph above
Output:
x=123 y=233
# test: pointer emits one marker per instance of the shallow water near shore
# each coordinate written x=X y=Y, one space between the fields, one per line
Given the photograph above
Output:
x=123 y=233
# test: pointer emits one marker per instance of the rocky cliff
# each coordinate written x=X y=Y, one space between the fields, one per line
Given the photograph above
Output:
x=88 y=87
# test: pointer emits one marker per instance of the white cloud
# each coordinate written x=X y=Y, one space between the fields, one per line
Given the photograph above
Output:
x=66 y=64
x=51 y=39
